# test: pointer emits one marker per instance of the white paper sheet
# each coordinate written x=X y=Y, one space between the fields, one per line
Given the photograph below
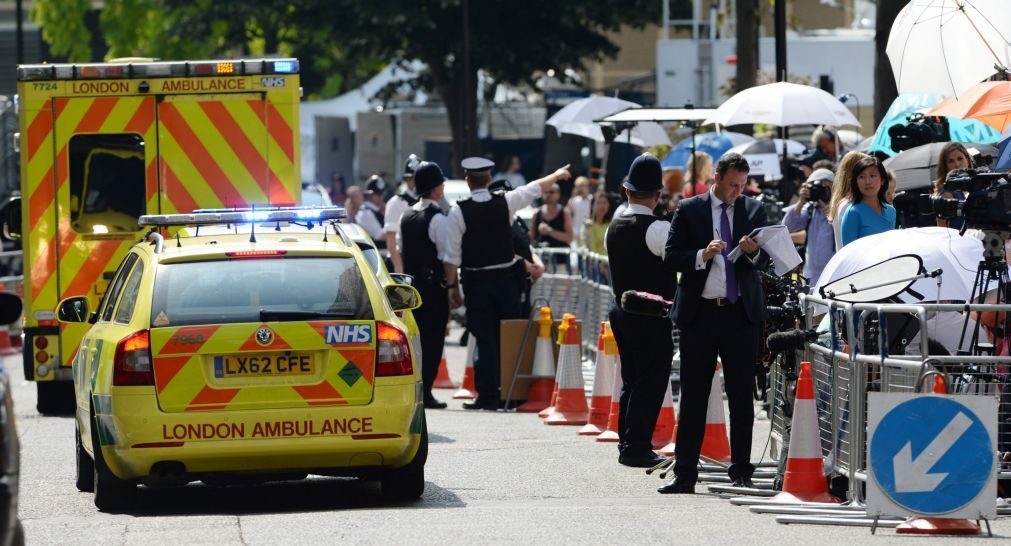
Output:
x=775 y=241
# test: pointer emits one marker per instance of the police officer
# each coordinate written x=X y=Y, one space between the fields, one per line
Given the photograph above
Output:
x=635 y=246
x=423 y=241
x=370 y=215
x=480 y=242
x=405 y=197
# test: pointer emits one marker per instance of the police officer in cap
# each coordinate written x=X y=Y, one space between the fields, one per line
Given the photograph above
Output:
x=423 y=242
x=405 y=197
x=370 y=216
x=480 y=242
x=635 y=246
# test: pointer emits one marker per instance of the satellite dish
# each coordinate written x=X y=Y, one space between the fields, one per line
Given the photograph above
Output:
x=881 y=281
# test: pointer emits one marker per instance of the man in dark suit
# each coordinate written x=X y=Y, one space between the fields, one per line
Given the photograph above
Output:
x=719 y=308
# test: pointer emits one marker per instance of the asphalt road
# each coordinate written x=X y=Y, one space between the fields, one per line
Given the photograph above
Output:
x=491 y=477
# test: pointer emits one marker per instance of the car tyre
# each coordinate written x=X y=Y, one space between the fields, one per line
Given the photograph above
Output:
x=408 y=483
x=112 y=494
x=55 y=397
x=85 y=478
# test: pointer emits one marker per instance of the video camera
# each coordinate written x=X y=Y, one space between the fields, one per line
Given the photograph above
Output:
x=986 y=204
x=918 y=131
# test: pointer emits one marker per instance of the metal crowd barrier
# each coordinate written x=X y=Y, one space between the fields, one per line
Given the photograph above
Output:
x=844 y=375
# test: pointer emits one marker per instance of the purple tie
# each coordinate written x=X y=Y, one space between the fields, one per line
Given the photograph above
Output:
x=727 y=234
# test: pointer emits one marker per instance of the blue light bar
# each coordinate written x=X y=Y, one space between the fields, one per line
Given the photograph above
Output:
x=205 y=217
x=285 y=67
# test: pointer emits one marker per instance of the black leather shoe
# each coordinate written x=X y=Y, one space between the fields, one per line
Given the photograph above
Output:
x=480 y=405
x=641 y=460
x=677 y=486
x=744 y=482
x=432 y=403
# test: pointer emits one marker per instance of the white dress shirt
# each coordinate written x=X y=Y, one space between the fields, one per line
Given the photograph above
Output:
x=716 y=282
x=369 y=221
x=656 y=234
x=580 y=212
x=517 y=199
x=436 y=228
x=395 y=208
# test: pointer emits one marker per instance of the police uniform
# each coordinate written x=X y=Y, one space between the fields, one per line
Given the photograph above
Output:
x=405 y=198
x=370 y=217
x=480 y=242
x=423 y=245
x=635 y=248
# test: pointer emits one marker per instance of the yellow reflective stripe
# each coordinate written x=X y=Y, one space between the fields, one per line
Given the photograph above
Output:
x=188 y=175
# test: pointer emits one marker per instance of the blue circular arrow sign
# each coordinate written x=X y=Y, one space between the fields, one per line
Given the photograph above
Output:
x=931 y=455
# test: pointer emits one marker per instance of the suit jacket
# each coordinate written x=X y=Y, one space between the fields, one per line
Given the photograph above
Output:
x=690 y=231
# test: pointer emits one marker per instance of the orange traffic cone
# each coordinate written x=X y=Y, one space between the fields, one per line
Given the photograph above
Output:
x=467 y=389
x=6 y=349
x=666 y=429
x=544 y=413
x=543 y=385
x=570 y=405
x=603 y=382
x=937 y=526
x=715 y=445
x=804 y=480
x=611 y=434
x=442 y=380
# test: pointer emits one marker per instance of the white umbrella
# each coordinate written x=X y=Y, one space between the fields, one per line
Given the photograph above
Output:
x=763 y=156
x=577 y=118
x=783 y=104
x=946 y=46
x=939 y=248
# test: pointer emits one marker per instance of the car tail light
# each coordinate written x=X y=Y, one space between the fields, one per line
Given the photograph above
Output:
x=393 y=352
x=132 y=364
x=41 y=343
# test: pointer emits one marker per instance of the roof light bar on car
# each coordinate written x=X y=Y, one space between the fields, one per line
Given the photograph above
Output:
x=132 y=69
x=206 y=217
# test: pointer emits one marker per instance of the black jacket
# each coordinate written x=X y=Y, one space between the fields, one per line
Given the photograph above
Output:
x=690 y=231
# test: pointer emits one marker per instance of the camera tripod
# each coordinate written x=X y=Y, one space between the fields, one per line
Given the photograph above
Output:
x=992 y=270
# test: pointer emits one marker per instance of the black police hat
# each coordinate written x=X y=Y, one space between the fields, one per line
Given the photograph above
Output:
x=427 y=177
x=477 y=165
x=411 y=165
x=375 y=185
x=645 y=174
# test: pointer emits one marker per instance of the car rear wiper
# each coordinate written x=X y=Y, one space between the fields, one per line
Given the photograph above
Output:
x=266 y=314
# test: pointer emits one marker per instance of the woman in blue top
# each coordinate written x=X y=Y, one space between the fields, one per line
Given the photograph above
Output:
x=870 y=212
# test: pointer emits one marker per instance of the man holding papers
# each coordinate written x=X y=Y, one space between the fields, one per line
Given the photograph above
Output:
x=719 y=308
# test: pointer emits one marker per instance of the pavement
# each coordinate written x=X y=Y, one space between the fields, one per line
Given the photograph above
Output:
x=491 y=478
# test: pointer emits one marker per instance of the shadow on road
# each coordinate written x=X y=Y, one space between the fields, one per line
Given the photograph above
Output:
x=440 y=439
x=312 y=495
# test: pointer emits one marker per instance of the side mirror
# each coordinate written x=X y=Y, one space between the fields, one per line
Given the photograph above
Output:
x=402 y=278
x=73 y=309
x=10 y=307
x=10 y=216
x=403 y=297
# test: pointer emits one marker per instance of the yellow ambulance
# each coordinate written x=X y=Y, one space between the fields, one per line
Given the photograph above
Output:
x=103 y=144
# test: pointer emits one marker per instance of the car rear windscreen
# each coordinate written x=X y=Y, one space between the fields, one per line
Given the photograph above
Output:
x=229 y=291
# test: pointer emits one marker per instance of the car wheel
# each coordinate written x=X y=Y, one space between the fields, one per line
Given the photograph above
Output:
x=85 y=465
x=55 y=397
x=112 y=494
x=408 y=483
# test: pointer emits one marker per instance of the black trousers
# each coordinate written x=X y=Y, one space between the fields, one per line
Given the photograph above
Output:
x=727 y=332
x=432 y=317
x=646 y=350
x=490 y=297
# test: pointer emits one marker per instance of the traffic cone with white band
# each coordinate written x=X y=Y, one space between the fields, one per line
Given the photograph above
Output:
x=666 y=423
x=804 y=480
x=937 y=526
x=543 y=384
x=442 y=379
x=603 y=381
x=467 y=389
x=570 y=405
x=611 y=434
x=715 y=445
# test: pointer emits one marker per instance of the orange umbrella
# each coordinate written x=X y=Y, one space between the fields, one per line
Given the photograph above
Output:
x=988 y=102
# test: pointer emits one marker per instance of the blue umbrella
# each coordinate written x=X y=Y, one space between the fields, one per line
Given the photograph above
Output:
x=714 y=144
x=1003 y=160
x=959 y=130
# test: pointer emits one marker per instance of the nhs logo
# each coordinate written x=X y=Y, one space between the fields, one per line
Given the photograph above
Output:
x=348 y=333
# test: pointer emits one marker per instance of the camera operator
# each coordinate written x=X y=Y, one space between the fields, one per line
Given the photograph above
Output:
x=826 y=146
x=808 y=214
x=953 y=156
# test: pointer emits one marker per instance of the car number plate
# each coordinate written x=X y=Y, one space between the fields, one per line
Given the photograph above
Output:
x=264 y=365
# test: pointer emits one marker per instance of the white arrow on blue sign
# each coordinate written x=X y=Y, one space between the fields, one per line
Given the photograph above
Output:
x=931 y=455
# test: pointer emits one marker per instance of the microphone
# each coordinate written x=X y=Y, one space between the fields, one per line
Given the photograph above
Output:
x=644 y=303
x=790 y=340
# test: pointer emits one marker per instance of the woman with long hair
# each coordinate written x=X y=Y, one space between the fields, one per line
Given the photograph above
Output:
x=842 y=195
x=953 y=156
x=699 y=174
x=870 y=212
x=602 y=211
